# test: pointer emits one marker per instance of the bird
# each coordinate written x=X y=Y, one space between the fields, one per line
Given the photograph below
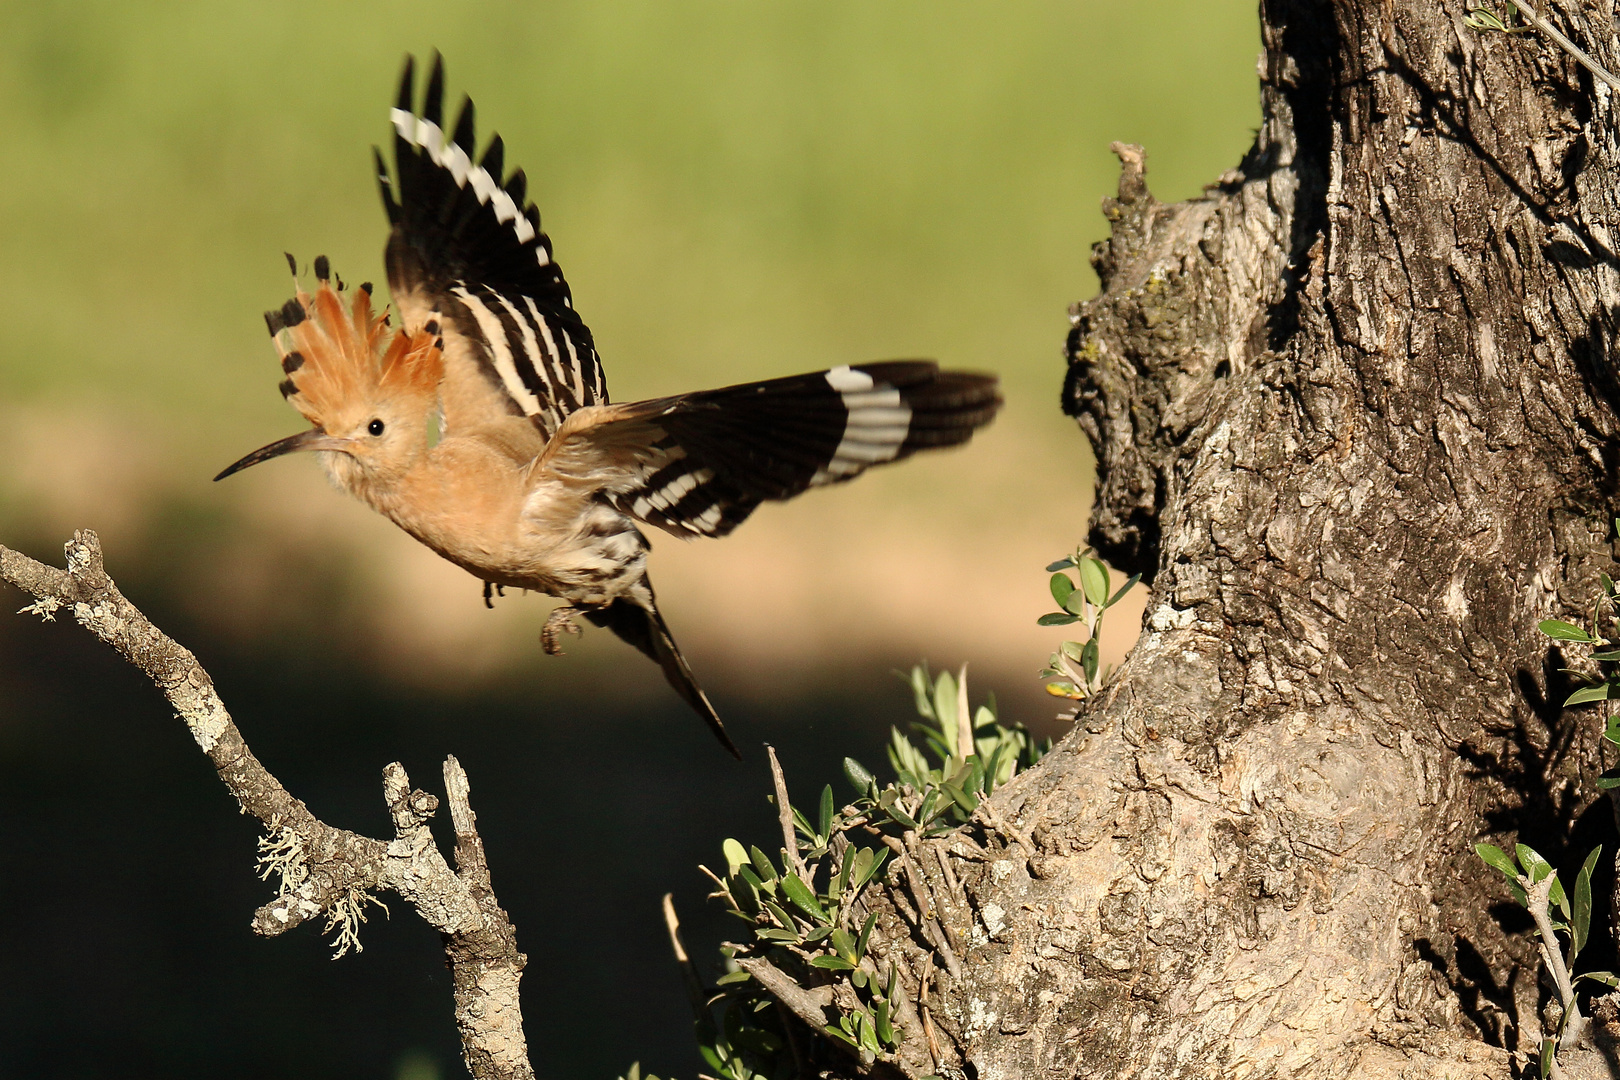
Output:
x=482 y=426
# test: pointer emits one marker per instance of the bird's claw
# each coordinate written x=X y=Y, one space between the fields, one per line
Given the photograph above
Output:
x=561 y=621
x=491 y=589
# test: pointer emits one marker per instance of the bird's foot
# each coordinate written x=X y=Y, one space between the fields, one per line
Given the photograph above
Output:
x=561 y=621
x=491 y=589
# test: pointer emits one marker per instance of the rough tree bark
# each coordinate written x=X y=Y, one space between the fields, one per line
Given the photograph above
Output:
x=1354 y=418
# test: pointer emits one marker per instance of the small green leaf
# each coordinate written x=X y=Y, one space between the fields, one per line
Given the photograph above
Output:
x=803 y=899
x=863 y=1021
x=866 y=935
x=1094 y=579
x=959 y=797
x=1123 y=589
x=1559 y=630
x=732 y=978
x=1608 y=657
x=735 y=856
x=817 y=934
x=859 y=778
x=779 y=913
x=1599 y=692
x=1066 y=562
x=1581 y=918
x=1061 y=585
x=945 y=707
x=762 y=864
x=824 y=831
x=831 y=963
x=900 y=817
x=835 y=1033
x=992 y=768
x=840 y=881
x=930 y=807
x=1089 y=659
x=1611 y=728
x=790 y=936
x=1548 y=1047
x=1608 y=780
x=1606 y=978
x=844 y=945
x=1535 y=867
x=802 y=823
x=870 y=870
x=1076 y=604
x=1056 y=618
x=1497 y=858
x=881 y=1024
x=921 y=690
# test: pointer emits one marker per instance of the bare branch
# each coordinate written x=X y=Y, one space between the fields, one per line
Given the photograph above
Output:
x=809 y=1005
x=784 y=814
x=1534 y=18
x=322 y=870
x=695 y=990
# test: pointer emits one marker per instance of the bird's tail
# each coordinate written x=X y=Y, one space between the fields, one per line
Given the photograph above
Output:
x=644 y=628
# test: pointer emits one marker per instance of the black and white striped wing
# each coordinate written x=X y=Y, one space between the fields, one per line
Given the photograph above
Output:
x=466 y=251
x=699 y=464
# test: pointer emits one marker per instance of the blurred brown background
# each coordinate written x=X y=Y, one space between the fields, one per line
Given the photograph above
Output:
x=735 y=192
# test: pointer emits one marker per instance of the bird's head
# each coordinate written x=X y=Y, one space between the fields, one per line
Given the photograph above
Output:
x=371 y=394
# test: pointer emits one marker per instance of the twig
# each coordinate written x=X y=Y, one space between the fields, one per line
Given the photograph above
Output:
x=945 y=868
x=1537 y=895
x=808 y=1005
x=1567 y=45
x=935 y=934
x=784 y=814
x=1006 y=828
x=695 y=989
x=922 y=1005
x=324 y=871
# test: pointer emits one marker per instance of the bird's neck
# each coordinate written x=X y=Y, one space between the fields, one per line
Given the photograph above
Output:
x=460 y=497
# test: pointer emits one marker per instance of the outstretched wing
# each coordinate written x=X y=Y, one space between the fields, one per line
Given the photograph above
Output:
x=698 y=464
x=466 y=251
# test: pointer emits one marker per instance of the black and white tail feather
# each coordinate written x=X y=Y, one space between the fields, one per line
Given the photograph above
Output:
x=467 y=251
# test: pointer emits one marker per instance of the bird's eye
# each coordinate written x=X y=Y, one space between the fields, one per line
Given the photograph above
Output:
x=375 y=427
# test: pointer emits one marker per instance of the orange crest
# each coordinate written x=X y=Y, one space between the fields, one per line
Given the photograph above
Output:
x=336 y=359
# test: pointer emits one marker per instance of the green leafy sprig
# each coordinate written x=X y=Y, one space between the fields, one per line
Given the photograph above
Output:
x=1604 y=642
x=806 y=909
x=1536 y=888
x=1075 y=669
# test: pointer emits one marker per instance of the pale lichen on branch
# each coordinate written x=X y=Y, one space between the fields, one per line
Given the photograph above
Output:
x=321 y=870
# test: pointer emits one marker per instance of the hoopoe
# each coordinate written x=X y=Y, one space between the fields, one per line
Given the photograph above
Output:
x=535 y=480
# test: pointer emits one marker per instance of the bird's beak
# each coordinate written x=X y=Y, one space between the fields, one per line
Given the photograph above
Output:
x=313 y=439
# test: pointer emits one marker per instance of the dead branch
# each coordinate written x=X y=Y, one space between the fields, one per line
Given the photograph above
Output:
x=323 y=870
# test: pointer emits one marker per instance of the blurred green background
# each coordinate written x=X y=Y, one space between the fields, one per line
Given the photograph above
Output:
x=735 y=191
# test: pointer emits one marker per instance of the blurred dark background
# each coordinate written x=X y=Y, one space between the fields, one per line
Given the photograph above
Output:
x=735 y=192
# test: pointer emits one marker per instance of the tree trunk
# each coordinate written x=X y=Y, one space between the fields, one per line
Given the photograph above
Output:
x=1354 y=421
